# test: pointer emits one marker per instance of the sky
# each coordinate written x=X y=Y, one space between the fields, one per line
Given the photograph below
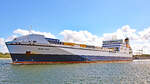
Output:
x=86 y=21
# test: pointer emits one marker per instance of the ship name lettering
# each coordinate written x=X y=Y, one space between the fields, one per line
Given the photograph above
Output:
x=43 y=49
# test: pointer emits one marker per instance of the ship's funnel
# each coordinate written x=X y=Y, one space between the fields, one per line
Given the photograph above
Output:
x=127 y=42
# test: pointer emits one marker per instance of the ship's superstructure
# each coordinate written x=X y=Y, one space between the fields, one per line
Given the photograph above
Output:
x=36 y=48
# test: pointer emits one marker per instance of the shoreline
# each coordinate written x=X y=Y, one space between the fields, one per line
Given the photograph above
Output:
x=5 y=58
x=141 y=60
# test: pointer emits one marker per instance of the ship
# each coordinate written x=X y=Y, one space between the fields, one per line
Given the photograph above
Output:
x=37 y=49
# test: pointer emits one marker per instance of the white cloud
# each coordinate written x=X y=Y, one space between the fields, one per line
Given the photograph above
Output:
x=138 y=39
x=3 y=47
x=83 y=37
x=26 y=32
x=21 y=31
x=88 y=38
x=1 y=41
x=122 y=33
x=145 y=34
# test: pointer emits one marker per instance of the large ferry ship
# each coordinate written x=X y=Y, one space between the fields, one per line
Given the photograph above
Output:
x=36 y=49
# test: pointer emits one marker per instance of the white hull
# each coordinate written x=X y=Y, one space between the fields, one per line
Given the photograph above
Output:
x=61 y=50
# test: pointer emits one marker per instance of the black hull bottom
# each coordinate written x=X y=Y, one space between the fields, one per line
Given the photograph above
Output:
x=48 y=58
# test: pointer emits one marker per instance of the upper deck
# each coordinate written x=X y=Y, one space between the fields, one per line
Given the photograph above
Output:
x=112 y=43
x=35 y=39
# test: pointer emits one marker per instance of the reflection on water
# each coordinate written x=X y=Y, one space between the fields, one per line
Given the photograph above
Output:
x=136 y=72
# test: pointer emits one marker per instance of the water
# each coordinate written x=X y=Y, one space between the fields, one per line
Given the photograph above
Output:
x=136 y=72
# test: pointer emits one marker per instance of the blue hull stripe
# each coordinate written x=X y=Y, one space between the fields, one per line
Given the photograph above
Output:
x=62 y=58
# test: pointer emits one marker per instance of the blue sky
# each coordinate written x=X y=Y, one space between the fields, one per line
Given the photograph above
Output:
x=95 y=16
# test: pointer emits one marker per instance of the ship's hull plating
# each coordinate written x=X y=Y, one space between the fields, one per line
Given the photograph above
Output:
x=51 y=54
x=47 y=58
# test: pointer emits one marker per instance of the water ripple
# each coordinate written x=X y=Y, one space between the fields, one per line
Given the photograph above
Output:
x=136 y=72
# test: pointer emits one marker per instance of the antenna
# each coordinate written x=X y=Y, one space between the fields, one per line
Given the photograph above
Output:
x=30 y=31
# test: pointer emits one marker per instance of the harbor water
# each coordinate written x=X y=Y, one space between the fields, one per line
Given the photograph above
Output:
x=136 y=72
